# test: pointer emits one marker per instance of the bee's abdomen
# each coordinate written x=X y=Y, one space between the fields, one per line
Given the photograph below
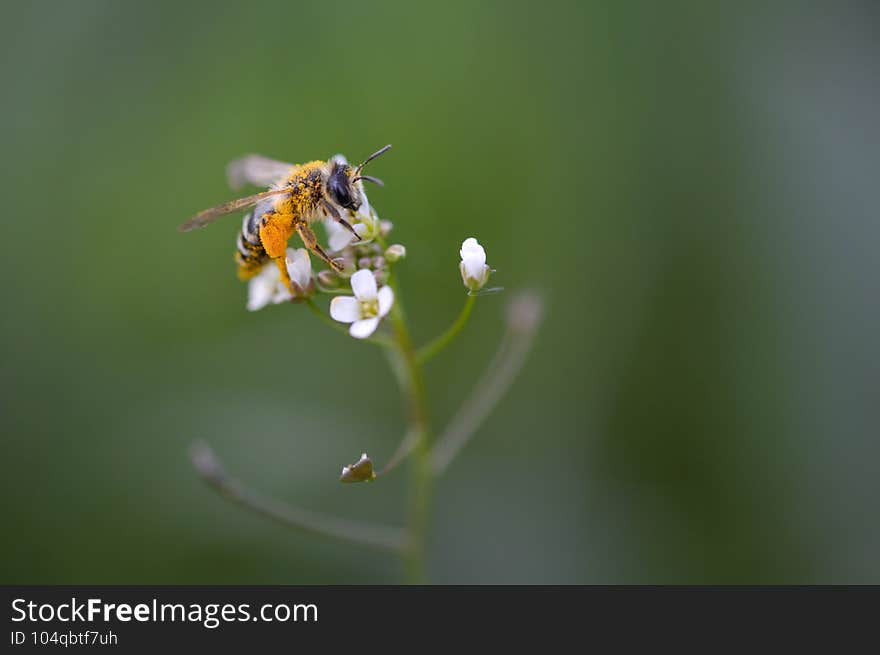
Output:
x=249 y=249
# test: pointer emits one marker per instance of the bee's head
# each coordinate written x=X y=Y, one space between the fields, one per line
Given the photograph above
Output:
x=341 y=181
x=340 y=186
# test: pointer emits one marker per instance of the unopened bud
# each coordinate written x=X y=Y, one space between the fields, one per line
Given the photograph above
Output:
x=395 y=253
x=474 y=271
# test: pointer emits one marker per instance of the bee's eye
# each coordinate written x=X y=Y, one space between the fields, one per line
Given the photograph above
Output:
x=339 y=188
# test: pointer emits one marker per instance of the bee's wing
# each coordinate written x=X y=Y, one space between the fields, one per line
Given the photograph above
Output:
x=256 y=170
x=203 y=218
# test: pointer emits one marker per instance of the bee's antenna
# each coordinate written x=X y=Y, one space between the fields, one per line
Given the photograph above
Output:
x=380 y=151
x=368 y=178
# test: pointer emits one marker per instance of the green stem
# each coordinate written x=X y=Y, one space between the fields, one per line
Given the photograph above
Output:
x=421 y=476
x=428 y=351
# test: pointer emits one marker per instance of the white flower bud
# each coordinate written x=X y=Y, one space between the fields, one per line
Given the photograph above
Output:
x=395 y=253
x=474 y=271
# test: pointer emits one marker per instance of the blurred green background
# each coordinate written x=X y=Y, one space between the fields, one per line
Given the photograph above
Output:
x=693 y=186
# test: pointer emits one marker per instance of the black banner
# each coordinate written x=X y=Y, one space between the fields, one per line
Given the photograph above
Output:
x=353 y=619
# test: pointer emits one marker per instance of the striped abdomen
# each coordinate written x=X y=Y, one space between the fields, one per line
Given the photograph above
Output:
x=249 y=249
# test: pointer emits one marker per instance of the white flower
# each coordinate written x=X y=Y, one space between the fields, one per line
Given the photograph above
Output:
x=366 y=308
x=474 y=271
x=266 y=287
x=364 y=221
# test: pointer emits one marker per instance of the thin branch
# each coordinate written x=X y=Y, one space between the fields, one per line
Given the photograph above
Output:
x=209 y=467
x=428 y=351
x=524 y=317
x=404 y=449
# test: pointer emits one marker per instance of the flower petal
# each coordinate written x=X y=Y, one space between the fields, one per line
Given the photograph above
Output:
x=262 y=288
x=472 y=251
x=364 y=209
x=345 y=309
x=386 y=299
x=259 y=294
x=363 y=284
x=337 y=236
x=299 y=266
x=282 y=294
x=473 y=267
x=363 y=328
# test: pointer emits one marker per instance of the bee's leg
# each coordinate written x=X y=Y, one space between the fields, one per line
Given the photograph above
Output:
x=311 y=241
x=335 y=215
x=274 y=233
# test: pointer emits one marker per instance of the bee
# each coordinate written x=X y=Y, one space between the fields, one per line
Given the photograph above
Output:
x=298 y=195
